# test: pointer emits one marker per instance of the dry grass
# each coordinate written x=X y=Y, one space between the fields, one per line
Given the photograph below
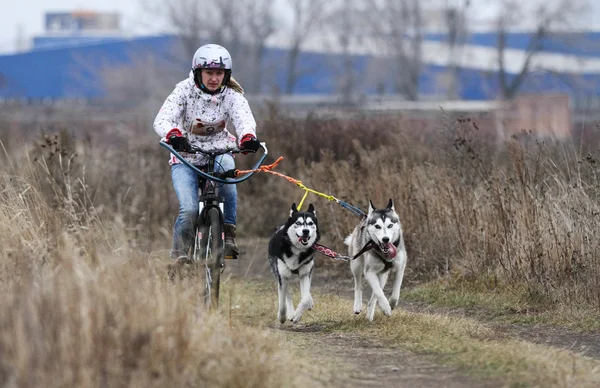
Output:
x=85 y=222
x=458 y=341
x=520 y=214
x=83 y=306
x=508 y=305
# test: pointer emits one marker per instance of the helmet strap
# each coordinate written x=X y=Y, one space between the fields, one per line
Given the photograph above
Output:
x=227 y=77
x=198 y=77
x=207 y=91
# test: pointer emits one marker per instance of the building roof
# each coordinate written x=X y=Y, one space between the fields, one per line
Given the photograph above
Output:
x=72 y=71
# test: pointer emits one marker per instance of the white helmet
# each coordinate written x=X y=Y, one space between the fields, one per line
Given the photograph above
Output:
x=212 y=56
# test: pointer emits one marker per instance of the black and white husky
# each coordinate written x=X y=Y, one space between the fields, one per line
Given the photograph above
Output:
x=291 y=253
x=379 y=234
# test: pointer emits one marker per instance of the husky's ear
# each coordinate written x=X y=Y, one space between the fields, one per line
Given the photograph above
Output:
x=391 y=205
x=371 y=207
x=311 y=209
x=294 y=209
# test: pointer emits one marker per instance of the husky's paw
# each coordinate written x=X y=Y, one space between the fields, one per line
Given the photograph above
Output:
x=387 y=311
x=309 y=303
x=370 y=314
x=282 y=316
x=393 y=303
x=296 y=318
x=385 y=306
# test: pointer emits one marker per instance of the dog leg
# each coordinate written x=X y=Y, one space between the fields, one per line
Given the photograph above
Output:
x=310 y=304
x=400 y=265
x=357 y=270
x=283 y=292
x=373 y=300
x=383 y=278
x=306 y=302
x=289 y=304
x=373 y=281
x=371 y=307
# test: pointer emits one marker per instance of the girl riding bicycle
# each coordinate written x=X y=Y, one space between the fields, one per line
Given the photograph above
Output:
x=196 y=114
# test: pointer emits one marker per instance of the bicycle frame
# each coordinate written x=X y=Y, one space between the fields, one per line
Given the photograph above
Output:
x=210 y=178
x=209 y=231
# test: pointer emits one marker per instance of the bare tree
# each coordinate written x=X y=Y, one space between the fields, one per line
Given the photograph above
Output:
x=345 y=25
x=398 y=24
x=243 y=26
x=348 y=73
x=456 y=27
x=307 y=16
x=547 y=17
x=193 y=21
x=230 y=23
x=190 y=20
x=261 y=24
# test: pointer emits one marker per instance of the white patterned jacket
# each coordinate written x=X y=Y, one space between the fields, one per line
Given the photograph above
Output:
x=202 y=118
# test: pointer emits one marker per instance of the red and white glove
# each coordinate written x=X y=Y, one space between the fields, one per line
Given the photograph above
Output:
x=250 y=143
x=177 y=141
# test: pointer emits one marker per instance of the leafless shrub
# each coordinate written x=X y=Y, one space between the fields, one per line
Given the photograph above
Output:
x=522 y=215
x=84 y=306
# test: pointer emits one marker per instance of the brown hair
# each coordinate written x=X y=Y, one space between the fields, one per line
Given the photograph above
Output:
x=233 y=84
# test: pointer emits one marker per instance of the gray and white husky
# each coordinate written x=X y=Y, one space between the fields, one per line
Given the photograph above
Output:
x=380 y=235
x=291 y=253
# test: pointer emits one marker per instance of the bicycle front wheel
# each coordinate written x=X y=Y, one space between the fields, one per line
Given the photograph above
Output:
x=213 y=240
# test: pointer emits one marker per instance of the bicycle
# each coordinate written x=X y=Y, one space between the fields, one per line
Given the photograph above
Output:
x=209 y=238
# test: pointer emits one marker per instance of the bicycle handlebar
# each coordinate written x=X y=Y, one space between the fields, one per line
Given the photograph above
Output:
x=215 y=154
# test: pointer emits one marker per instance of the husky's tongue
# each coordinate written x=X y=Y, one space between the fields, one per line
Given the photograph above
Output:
x=303 y=240
x=391 y=250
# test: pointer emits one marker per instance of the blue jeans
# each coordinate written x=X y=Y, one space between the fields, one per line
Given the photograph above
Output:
x=185 y=183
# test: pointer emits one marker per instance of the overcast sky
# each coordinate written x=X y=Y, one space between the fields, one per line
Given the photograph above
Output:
x=25 y=18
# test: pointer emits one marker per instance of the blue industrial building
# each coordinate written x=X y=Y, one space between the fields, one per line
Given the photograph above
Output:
x=66 y=70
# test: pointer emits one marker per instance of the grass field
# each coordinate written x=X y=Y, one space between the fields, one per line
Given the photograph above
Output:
x=85 y=226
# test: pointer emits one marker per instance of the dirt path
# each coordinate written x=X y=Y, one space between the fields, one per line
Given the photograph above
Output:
x=360 y=362
x=583 y=343
x=255 y=266
x=355 y=361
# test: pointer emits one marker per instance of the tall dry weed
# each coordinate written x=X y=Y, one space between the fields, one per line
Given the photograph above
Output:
x=514 y=215
x=519 y=214
x=83 y=305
